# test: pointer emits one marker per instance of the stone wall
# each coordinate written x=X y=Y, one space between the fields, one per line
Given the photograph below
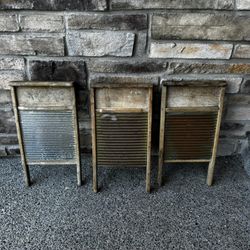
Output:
x=127 y=40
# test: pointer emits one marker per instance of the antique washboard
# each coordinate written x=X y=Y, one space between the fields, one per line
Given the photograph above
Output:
x=190 y=122
x=121 y=127
x=47 y=127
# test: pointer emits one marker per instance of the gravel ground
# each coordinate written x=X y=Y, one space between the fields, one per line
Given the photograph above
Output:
x=184 y=214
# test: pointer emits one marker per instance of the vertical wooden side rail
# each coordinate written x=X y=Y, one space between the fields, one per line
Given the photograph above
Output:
x=20 y=140
x=93 y=126
x=76 y=132
x=216 y=139
x=149 y=139
x=162 y=133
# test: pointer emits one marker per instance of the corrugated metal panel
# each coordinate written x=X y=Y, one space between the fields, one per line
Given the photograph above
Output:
x=121 y=139
x=48 y=135
x=189 y=136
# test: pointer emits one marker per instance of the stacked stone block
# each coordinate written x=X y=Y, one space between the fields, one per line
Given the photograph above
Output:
x=127 y=41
